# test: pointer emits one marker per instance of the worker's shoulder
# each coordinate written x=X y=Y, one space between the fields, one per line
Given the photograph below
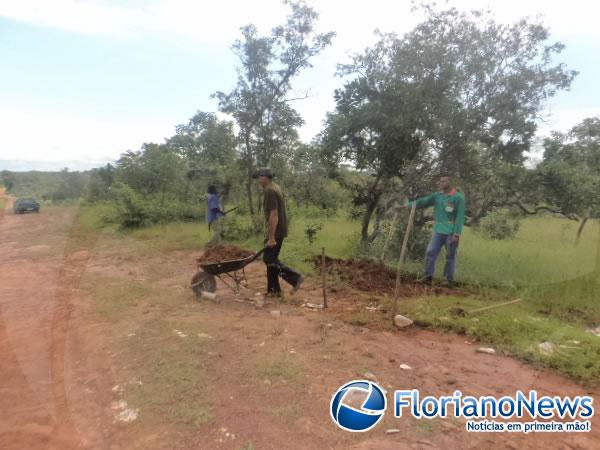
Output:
x=274 y=188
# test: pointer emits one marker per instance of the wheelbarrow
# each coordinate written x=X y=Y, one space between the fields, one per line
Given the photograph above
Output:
x=205 y=278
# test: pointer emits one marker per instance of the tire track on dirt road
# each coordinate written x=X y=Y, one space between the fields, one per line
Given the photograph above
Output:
x=41 y=343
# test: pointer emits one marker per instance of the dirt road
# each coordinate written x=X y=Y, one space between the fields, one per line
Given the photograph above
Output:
x=103 y=346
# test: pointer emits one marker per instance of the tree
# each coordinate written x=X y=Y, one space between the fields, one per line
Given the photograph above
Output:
x=259 y=103
x=156 y=169
x=569 y=175
x=208 y=146
x=101 y=180
x=459 y=92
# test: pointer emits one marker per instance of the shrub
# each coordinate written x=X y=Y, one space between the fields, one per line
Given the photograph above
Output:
x=416 y=247
x=417 y=242
x=498 y=225
x=133 y=210
x=311 y=230
x=239 y=228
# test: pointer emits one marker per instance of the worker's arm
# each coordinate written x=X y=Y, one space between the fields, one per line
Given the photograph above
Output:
x=459 y=222
x=423 y=202
x=273 y=221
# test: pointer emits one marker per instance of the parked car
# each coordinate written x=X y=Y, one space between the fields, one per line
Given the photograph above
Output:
x=23 y=205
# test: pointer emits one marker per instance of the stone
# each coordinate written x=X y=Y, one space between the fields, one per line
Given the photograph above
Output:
x=489 y=351
x=546 y=348
x=595 y=331
x=313 y=306
x=402 y=322
x=405 y=367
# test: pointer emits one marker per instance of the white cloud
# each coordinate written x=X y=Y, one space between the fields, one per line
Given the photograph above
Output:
x=208 y=21
x=37 y=135
x=197 y=22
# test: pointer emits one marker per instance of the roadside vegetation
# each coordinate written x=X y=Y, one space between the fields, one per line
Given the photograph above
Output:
x=460 y=94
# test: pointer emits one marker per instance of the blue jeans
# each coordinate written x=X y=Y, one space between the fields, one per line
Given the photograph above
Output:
x=433 y=250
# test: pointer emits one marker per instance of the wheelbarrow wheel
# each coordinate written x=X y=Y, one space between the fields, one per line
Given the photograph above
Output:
x=203 y=282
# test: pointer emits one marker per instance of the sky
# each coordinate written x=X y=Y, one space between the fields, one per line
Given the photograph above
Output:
x=82 y=81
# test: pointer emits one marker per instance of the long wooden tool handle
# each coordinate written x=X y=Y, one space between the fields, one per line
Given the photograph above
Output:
x=411 y=219
x=497 y=305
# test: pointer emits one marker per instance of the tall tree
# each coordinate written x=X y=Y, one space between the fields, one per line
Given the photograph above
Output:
x=569 y=175
x=208 y=146
x=260 y=102
x=458 y=92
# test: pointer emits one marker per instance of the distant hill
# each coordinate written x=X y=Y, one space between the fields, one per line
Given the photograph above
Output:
x=16 y=165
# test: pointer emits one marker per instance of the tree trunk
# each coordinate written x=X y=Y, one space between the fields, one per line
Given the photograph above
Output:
x=364 y=230
x=249 y=167
x=580 y=230
x=372 y=200
x=249 y=194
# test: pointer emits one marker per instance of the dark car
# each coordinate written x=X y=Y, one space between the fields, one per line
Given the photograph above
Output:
x=26 y=204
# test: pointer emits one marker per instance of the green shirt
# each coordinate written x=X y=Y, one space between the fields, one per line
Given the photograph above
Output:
x=273 y=199
x=448 y=211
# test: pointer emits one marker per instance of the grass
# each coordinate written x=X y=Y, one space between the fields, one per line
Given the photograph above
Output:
x=557 y=280
x=516 y=330
x=281 y=369
x=543 y=252
x=115 y=299
x=171 y=371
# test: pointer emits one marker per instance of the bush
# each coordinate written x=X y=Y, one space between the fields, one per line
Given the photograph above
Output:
x=134 y=210
x=239 y=228
x=311 y=231
x=417 y=242
x=416 y=247
x=498 y=225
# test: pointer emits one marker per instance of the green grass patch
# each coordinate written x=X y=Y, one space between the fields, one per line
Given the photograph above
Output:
x=557 y=279
x=544 y=251
x=114 y=298
x=282 y=369
x=171 y=369
x=516 y=330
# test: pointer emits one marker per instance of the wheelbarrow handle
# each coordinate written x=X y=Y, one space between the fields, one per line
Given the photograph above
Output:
x=257 y=254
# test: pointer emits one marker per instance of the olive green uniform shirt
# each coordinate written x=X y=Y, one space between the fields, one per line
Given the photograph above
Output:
x=273 y=199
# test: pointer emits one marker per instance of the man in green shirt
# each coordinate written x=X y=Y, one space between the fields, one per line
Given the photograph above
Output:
x=277 y=228
x=449 y=213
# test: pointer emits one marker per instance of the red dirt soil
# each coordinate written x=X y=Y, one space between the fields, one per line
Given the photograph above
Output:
x=375 y=277
x=61 y=360
x=221 y=253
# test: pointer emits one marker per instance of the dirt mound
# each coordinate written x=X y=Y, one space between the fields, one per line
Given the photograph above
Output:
x=373 y=276
x=220 y=253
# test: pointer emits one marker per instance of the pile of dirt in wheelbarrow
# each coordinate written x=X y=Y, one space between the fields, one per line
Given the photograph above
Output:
x=220 y=253
x=373 y=276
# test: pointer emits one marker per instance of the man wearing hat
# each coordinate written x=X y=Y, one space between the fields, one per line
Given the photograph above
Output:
x=277 y=228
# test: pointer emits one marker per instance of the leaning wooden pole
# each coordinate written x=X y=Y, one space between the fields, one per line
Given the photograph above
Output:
x=324 y=277
x=411 y=219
